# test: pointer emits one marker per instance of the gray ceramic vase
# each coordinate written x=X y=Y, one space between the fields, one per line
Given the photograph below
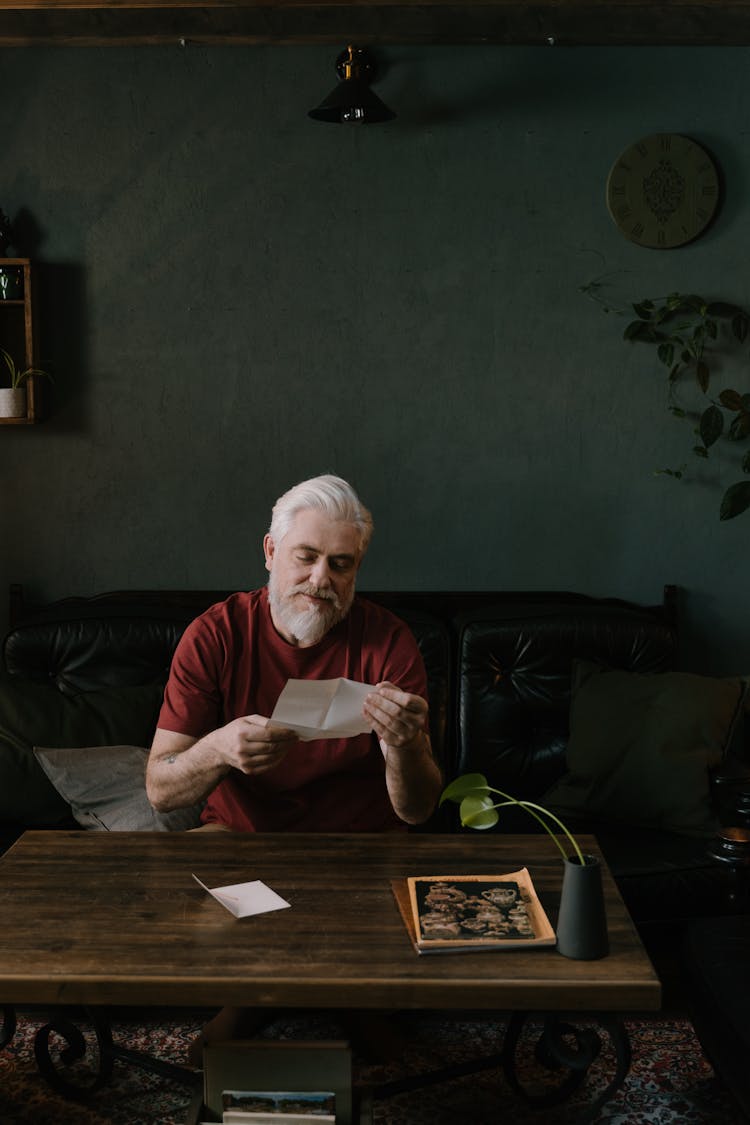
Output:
x=582 y=921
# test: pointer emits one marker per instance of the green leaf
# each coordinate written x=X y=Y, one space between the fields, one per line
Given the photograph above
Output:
x=685 y=303
x=702 y=374
x=665 y=352
x=736 y=499
x=467 y=783
x=740 y=426
x=711 y=329
x=638 y=330
x=711 y=426
x=478 y=812
x=730 y=399
x=677 y=411
x=740 y=325
x=644 y=309
x=700 y=451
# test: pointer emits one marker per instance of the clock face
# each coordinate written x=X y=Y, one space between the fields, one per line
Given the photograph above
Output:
x=663 y=191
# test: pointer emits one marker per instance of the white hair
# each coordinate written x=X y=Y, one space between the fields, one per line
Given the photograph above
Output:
x=328 y=494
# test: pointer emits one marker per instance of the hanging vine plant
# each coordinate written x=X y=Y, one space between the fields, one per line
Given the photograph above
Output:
x=689 y=334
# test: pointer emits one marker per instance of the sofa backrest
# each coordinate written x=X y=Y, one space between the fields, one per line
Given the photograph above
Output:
x=498 y=663
x=128 y=638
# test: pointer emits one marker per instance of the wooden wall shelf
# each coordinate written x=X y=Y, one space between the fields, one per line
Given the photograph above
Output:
x=367 y=22
x=18 y=337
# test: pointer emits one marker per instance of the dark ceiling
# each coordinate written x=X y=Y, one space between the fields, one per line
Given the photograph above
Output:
x=505 y=22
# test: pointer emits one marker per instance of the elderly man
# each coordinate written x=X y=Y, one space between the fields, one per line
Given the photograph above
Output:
x=213 y=740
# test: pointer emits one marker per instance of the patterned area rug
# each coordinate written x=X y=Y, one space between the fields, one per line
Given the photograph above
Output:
x=669 y=1083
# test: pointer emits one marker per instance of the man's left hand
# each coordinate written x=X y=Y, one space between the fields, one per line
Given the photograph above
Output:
x=397 y=717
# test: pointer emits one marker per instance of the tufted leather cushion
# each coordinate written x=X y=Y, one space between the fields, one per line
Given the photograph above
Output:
x=102 y=650
x=514 y=681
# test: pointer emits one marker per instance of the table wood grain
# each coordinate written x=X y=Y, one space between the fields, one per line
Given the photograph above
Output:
x=116 y=918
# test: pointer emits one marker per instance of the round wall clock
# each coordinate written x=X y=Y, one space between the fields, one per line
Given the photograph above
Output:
x=663 y=191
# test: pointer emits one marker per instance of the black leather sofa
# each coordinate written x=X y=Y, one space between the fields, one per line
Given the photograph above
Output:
x=500 y=669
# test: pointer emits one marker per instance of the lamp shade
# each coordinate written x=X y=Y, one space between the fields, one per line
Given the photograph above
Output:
x=352 y=101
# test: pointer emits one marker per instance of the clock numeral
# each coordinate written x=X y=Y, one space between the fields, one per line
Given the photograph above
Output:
x=618 y=189
x=641 y=148
x=705 y=167
x=666 y=142
x=625 y=167
x=708 y=189
x=624 y=212
x=637 y=230
x=702 y=215
x=661 y=237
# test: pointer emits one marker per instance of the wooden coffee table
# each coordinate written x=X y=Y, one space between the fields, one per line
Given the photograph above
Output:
x=103 y=919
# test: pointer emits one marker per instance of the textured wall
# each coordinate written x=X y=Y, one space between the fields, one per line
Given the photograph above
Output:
x=235 y=297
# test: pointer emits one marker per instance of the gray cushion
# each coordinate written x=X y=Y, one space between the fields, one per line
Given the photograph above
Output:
x=641 y=747
x=105 y=788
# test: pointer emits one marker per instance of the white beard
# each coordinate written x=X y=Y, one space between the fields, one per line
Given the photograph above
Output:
x=306 y=626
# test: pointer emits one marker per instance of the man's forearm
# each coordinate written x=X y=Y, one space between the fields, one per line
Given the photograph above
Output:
x=413 y=779
x=182 y=770
x=178 y=777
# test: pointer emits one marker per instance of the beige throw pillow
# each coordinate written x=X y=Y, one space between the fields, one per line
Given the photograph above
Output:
x=641 y=747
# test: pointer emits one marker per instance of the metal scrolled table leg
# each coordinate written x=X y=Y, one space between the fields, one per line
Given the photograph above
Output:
x=555 y=1051
x=561 y=1048
x=108 y=1052
x=76 y=1050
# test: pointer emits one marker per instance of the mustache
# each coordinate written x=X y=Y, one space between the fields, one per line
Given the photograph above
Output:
x=316 y=592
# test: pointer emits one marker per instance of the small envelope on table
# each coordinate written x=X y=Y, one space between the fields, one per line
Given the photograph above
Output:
x=244 y=899
x=322 y=708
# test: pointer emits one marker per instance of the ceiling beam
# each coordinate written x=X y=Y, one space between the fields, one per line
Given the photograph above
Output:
x=25 y=23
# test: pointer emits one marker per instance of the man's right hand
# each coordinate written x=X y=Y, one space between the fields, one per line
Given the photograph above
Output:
x=250 y=745
x=182 y=770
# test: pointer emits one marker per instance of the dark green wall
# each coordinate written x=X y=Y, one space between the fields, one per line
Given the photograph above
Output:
x=235 y=297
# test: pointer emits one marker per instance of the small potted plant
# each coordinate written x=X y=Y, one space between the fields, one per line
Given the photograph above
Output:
x=13 y=398
x=582 y=922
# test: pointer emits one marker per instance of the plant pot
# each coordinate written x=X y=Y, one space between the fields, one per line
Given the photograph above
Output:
x=582 y=921
x=12 y=402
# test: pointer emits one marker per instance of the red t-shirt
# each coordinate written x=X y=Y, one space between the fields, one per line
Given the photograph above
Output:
x=231 y=662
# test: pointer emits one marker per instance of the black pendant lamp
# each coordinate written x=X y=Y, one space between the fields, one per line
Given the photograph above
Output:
x=352 y=101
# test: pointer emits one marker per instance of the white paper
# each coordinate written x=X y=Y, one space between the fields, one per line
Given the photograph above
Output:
x=322 y=708
x=244 y=899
